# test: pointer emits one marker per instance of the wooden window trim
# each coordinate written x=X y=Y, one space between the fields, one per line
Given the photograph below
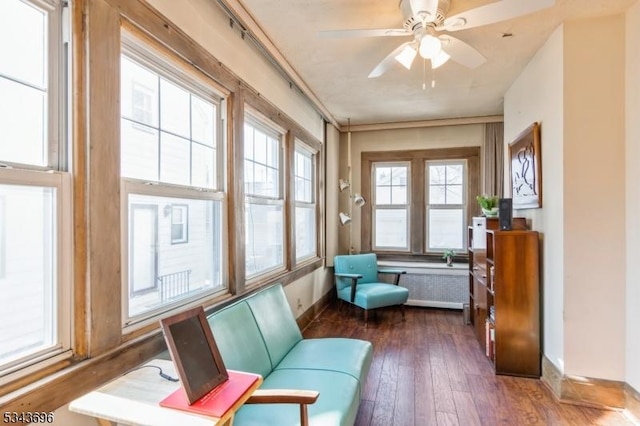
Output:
x=417 y=160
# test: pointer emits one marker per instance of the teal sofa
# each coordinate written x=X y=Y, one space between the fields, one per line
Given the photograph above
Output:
x=259 y=334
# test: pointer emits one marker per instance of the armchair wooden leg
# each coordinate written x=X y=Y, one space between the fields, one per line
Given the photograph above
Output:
x=366 y=317
x=402 y=310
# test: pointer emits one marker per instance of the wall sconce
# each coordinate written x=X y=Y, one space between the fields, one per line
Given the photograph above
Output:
x=359 y=200
x=343 y=184
x=344 y=218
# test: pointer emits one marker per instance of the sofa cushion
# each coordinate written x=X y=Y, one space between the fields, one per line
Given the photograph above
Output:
x=348 y=356
x=239 y=339
x=371 y=296
x=275 y=320
x=337 y=404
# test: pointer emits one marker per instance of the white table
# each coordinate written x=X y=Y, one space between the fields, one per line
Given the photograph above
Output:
x=133 y=399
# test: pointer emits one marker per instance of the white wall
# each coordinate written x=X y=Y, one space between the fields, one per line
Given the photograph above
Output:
x=633 y=195
x=575 y=87
x=537 y=95
x=594 y=164
x=395 y=140
x=208 y=25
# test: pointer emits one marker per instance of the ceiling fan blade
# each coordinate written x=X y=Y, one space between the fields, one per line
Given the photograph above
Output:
x=494 y=12
x=383 y=32
x=461 y=52
x=388 y=61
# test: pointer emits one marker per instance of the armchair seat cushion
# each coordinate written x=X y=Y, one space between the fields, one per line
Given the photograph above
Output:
x=376 y=295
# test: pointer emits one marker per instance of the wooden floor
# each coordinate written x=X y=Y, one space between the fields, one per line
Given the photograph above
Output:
x=430 y=370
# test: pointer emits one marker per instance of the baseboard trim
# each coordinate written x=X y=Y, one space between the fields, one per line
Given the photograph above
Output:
x=310 y=314
x=585 y=391
x=433 y=304
x=632 y=403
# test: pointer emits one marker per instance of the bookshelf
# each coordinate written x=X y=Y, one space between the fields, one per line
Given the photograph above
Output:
x=504 y=297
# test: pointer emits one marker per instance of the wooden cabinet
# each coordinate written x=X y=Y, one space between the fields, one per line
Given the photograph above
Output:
x=504 y=298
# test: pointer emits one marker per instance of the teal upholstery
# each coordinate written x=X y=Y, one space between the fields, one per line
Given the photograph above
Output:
x=259 y=334
x=357 y=282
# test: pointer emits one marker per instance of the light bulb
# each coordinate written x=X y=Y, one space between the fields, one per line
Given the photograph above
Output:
x=430 y=46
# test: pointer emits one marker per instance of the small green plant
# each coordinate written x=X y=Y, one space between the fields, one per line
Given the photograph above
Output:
x=487 y=202
x=448 y=256
x=448 y=253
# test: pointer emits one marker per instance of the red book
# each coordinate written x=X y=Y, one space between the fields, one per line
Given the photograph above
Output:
x=217 y=401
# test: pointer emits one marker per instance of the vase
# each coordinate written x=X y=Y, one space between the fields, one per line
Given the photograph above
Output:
x=449 y=260
x=493 y=212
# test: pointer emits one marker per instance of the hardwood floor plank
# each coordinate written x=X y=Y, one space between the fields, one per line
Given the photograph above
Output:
x=404 y=412
x=466 y=409
x=447 y=419
x=442 y=387
x=385 y=397
x=457 y=378
x=425 y=407
x=365 y=412
x=605 y=417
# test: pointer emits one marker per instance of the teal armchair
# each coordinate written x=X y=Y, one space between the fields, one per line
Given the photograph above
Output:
x=357 y=283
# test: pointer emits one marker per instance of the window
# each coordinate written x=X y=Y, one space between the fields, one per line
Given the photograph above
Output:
x=175 y=226
x=179 y=223
x=35 y=194
x=446 y=218
x=391 y=206
x=422 y=201
x=305 y=207
x=264 y=203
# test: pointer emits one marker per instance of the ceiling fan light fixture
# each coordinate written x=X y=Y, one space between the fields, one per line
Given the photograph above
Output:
x=406 y=56
x=430 y=46
x=440 y=59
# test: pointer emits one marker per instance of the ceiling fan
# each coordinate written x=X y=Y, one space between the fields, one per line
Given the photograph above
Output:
x=424 y=18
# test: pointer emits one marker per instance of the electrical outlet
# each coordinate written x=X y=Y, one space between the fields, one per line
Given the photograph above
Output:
x=299 y=304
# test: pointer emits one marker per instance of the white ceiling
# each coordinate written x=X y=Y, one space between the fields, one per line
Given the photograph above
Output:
x=336 y=70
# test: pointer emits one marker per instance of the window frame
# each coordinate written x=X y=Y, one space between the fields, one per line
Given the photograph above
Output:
x=417 y=214
x=312 y=154
x=447 y=206
x=61 y=349
x=57 y=70
x=171 y=68
x=184 y=208
x=258 y=121
x=406 y=206
x=52 y=174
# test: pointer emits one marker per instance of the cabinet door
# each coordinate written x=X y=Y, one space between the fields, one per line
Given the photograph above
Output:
x=479 y=310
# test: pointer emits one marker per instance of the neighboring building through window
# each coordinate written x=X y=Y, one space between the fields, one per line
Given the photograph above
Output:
x=305 y=206
x=264 y=203
x=175 y=227
x=179 y=223
x=35 y=228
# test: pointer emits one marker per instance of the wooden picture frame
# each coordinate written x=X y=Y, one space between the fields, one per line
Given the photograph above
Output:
x=525 y=169
x=194 y=352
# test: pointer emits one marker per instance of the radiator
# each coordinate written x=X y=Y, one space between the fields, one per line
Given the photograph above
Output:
x=432 y=285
